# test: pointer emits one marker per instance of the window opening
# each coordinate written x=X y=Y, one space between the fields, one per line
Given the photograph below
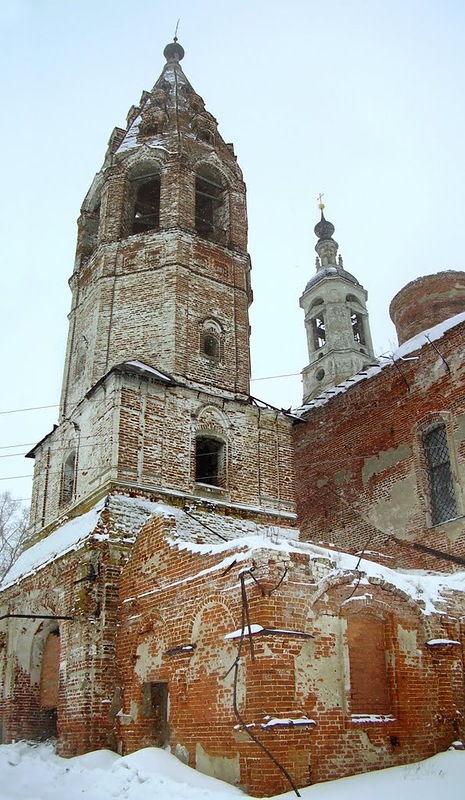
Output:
x=146 y=205
x=211 y=346
x=68 y=478
x=357 y=328
x=209 y=461
x=441 y=487
x=319 y=332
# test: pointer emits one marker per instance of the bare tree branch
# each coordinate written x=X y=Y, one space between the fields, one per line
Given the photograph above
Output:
x=13 y=530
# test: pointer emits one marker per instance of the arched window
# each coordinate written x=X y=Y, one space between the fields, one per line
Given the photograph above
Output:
x=211 y=340
x=211 y=346
x=442 y=497
x=369 y=686
x=68 y=479
x=209 y=461
x=211 y=211
x=146 y=209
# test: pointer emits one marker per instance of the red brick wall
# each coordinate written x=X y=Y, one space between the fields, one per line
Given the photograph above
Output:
x=173 y=597
x=361 y=482
x=426 y=302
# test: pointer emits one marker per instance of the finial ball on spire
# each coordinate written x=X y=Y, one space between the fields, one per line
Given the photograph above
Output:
x=173 y=51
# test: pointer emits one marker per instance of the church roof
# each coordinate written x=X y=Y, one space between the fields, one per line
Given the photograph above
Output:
x=334 y=271
x=417 y=342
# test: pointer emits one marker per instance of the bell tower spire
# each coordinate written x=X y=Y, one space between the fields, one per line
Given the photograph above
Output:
x=336 y=318
x=162 y=273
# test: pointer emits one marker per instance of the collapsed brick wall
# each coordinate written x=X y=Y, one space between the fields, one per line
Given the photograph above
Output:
x=177 y=607
x=364 y=487
x=82 y=585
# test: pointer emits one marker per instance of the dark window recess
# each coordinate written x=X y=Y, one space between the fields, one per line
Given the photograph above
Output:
x=146 y=206
x=441 y=487
x=154 y=707
x=209 y=461
x=211 y=346
x=68 y=479
x=357 y=328
x=209 y=199
x=319 y=332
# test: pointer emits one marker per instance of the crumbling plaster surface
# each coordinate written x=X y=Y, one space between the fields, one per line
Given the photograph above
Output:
x=322 y=676
x=393 y=515
x=407 y=641
x=384 y=460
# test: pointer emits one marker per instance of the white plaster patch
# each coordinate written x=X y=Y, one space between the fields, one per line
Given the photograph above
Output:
x=384 y=460
x=226 y=769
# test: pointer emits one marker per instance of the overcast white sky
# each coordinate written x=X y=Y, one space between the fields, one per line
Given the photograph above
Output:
x=360 y=99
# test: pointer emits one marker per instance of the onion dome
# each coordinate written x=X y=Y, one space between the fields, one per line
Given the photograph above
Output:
x=173 y=51
x=324 y=229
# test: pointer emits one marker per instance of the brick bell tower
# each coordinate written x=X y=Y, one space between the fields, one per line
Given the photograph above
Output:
x=162 y=270
x=159 y=315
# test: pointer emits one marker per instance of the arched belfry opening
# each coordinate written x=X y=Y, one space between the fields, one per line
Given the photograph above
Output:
x=211 y=204
x=143 y=201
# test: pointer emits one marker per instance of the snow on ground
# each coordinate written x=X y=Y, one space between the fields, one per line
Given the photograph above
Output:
x=34 y=772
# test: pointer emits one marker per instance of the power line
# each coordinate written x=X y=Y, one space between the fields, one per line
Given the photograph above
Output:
x=272 y=377
x=12 y=446
x=33 y=408
x=16 y=477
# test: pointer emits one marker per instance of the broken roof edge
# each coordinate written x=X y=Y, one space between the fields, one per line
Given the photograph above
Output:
x=412 y=345
x=73 y=533
x=134 y=366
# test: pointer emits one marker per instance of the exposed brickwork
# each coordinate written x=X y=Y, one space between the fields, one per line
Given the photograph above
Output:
x=290 y=677
x=368 y=491
x=426 y=302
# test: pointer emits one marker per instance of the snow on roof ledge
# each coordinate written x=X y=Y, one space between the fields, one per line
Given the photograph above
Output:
x=411 y=346
x=141 y=367
x=66 y=538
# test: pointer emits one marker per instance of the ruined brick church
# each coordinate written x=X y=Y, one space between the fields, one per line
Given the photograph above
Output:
x=277 y=597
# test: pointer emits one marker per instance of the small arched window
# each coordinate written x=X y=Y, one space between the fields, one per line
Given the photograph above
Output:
x=211 y=343
x=211 y=346
x=68 y=479
x=210 y=461
x=211 y=210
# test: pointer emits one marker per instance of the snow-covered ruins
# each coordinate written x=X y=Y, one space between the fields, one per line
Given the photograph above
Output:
x=276 y=596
